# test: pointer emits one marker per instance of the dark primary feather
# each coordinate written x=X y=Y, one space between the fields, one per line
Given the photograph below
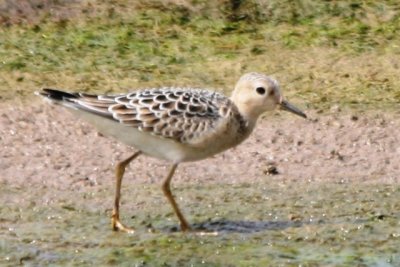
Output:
x=58 y=95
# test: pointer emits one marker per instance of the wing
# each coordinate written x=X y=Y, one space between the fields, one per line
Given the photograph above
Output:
x=175 y=113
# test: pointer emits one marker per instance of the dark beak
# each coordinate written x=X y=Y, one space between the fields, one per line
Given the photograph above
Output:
x=289 y=107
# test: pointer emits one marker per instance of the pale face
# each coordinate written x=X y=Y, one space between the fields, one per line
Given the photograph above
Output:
x=266 y=93
x=257 y=93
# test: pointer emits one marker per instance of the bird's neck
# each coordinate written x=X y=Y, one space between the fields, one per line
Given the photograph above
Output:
x=247 y=121
x=250 y=115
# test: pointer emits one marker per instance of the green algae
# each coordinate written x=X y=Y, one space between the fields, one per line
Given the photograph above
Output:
x=258 y=224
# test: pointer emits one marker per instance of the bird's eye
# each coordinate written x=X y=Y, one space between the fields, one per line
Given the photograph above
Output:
x=260 y=90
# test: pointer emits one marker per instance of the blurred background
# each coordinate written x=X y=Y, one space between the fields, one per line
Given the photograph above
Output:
x=324 y=53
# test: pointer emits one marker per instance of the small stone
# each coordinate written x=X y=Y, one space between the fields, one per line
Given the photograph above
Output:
x=295 y=217
x=354 y=118
x=299 y=143
x=335 y=154
x=271 y=170
x=335 y=109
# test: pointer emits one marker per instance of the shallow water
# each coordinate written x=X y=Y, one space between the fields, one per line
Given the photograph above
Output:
x=279 y=224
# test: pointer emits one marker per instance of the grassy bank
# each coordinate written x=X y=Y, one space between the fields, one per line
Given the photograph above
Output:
x=324 y=53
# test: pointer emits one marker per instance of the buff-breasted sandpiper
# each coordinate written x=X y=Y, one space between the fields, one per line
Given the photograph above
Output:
x=175 y=124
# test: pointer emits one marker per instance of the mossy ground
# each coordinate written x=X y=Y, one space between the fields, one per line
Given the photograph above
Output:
x=269 y=224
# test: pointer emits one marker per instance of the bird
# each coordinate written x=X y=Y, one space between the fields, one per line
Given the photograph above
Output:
x=176 y=124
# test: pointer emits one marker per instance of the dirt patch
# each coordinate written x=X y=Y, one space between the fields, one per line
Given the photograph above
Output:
x=48 y=145
x=323 y=191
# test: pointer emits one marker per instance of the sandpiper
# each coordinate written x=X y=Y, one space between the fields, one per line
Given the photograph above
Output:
x=175 y=124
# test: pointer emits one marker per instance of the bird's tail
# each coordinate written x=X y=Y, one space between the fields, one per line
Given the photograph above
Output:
x=79 y=101
x=59 y=97
x=56 y=95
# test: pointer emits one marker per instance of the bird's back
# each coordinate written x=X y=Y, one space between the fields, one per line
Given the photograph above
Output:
x=176 y=124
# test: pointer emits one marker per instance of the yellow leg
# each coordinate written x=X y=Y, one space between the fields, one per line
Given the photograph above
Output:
x=167 y=192
x=119 y=173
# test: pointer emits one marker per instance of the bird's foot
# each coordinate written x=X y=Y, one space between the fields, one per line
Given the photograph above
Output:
x=118 y=226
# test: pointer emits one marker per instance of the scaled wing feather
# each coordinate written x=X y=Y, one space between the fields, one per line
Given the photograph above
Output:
x=179 y=114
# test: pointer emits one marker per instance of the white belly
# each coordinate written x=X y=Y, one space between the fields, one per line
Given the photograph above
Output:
x=149 y=144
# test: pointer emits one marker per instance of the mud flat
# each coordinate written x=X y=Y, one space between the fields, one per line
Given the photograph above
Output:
x=324 y=191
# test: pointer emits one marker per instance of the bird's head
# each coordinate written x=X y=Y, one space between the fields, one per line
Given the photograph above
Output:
x=257 y=93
